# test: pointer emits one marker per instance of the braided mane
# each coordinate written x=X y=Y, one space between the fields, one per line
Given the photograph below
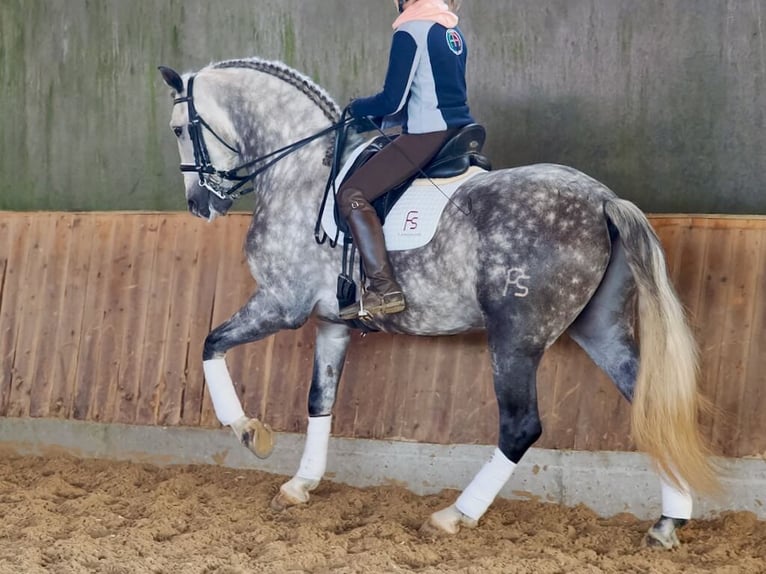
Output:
x=287 y=74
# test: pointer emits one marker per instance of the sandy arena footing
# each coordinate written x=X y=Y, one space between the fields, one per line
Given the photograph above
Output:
x=608 y=483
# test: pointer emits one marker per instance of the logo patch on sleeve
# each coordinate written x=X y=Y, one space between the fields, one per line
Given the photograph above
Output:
x=455 y=42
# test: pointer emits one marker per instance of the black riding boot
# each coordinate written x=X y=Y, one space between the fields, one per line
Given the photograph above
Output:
x=383 y=294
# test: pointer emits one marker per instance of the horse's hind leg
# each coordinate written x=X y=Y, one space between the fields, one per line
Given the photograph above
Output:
x=605 y=331
x=329 y=357
x=515 y=378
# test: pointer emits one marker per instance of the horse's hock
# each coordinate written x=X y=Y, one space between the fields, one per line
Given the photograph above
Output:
x=102 y=319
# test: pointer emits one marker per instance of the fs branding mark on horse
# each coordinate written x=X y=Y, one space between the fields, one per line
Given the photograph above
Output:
x=513 y=280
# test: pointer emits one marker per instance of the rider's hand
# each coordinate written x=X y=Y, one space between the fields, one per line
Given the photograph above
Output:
x=361 y=123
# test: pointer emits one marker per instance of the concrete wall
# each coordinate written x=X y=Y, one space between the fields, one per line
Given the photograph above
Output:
x=607 y=482
x=663 y=101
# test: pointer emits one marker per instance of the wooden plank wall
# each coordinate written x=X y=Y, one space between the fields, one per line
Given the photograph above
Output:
x=103 y=315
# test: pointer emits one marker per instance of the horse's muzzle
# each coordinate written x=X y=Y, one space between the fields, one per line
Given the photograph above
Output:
x=199 y=209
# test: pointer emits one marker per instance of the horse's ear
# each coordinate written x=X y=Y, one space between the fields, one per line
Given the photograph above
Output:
x=172 y=78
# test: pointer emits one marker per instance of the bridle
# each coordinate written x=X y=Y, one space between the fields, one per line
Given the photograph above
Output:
x=213 y=179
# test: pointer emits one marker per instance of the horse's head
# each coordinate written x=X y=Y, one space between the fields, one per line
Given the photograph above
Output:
x=206 y=143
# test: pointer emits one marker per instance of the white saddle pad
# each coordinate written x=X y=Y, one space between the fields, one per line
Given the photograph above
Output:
x=412 y=222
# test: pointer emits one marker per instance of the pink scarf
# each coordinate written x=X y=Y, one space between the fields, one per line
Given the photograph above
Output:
x=431 y=10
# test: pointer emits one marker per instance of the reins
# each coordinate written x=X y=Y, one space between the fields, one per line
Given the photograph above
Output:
x=210 y=177
x=340 y=143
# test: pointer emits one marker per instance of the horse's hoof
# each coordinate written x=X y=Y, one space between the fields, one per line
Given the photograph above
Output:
x=655 y=541
x=447 y=521
x=283 y=501
x=292 y=493
x=258 y=437
x=663 y=534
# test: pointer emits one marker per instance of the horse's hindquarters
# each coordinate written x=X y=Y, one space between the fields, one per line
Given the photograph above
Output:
x=543 y=249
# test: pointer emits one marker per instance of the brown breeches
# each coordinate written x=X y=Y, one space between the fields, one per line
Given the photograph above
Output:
x=394 y=164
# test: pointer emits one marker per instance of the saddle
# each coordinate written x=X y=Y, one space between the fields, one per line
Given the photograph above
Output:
x=456 y=156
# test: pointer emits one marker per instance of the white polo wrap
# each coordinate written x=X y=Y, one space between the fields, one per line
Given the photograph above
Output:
x=476 y=498
x=675 y=503
x=314 y=459
x=226 y=403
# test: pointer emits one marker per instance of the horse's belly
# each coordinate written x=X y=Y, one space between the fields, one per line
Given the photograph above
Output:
x=439 y=282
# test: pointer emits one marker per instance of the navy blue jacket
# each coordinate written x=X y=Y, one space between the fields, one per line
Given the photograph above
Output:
x=425 y=79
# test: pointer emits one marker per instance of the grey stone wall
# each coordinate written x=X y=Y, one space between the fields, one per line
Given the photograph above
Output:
x=663 y=101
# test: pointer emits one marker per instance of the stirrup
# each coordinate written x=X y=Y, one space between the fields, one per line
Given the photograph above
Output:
x=350 y=312
x=387 y=304
x=390 y=303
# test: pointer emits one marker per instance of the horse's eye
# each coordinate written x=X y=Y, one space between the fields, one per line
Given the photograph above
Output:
x=178 y=131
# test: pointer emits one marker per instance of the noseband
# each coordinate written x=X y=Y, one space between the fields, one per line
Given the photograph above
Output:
x=212 y=179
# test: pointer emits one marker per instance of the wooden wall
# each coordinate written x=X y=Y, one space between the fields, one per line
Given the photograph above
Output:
x=103 y=315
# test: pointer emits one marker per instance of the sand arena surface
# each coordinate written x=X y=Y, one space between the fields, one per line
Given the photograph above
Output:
x=68 y=516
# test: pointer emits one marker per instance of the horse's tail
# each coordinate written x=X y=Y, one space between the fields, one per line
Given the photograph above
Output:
x=666 y=402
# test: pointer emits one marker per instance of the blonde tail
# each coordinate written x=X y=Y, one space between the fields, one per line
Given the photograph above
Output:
x=666 y=402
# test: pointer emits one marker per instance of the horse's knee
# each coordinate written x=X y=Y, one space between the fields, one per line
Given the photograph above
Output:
x=518 y=434
x=214 y=346
x=218 y=341
x=230 y=334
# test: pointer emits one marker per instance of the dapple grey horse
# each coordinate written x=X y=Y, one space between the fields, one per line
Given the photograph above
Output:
x=590 y=263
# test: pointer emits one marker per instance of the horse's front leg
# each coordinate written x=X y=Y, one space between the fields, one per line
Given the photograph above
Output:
x=329 y=357
x=260 y=317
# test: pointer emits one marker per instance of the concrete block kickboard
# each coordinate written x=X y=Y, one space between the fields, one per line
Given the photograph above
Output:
x=606 y=482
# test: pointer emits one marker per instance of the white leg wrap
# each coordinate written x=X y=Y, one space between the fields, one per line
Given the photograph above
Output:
x=225 y=400
x=314 y=459
x=476 y=498
x=675 y=503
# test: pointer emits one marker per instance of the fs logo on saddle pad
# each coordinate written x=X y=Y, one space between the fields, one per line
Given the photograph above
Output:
x=412 y=221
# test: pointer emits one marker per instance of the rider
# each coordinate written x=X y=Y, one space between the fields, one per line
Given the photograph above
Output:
x=425 y=80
